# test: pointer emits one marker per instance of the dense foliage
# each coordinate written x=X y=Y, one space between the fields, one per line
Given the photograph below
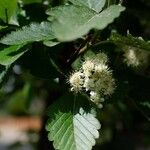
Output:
x=88 y=60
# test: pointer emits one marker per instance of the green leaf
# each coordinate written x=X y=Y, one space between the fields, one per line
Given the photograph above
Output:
x=34 y=32
x=71 y=22
x=51 y=43
x=38 y=63
x=96 y=5
x=3 y=27
x=11 y=54
x=31 y=1
x=7 y=8
x=19 y=101
x=4 y=72
x=144 y=108
x=131 y=41
x=147 y=104
x=72 y=130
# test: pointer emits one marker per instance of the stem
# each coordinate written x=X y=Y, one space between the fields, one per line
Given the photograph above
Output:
x=108 y=3
x=95 y=36
x=74 y=103
x=6 y=13
x=101 y=42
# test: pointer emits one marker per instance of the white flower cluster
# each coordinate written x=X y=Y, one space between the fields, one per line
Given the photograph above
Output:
x=135 y=58
x=95 y=78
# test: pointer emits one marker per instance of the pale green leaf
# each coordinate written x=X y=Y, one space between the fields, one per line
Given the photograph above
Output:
x=96 y=5
x=71 y=22
x=7 y=8
x=51 y=43
x=72 y=130
x=11 y=54
x=3 y=27
x=34 y=32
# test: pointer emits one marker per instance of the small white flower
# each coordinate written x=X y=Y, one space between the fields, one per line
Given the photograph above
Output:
x=88 y=67
x=136 y=58
x=100 y=106
x=101 y=67
x=105 y=85
x=110 y=87
x=94 y=96
x=104 y=82
x=76 y=81
x=131 y=58
x=100 y=71
x=101 y=58
x=95 y=77
x=88 y=84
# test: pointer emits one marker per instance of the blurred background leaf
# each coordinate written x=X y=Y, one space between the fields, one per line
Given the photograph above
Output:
x=7 y=8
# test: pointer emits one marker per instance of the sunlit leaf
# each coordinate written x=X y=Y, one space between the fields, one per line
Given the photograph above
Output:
x=11 y=54
x=71 y=22
x=72 y=126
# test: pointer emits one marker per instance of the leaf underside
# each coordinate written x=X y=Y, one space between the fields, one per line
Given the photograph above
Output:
x=70 y=22
x=96 y=5
x=67 y=23
x=72 y=131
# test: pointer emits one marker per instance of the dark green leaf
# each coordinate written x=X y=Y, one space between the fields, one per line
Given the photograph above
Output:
x=38 y=62
x=131 y=41
x=11 y=54
x=31 y=1
x=4 y=72
x=7 y=8
x=146 y=104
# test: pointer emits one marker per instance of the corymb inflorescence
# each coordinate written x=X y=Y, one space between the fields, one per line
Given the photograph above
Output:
x=94 y=78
